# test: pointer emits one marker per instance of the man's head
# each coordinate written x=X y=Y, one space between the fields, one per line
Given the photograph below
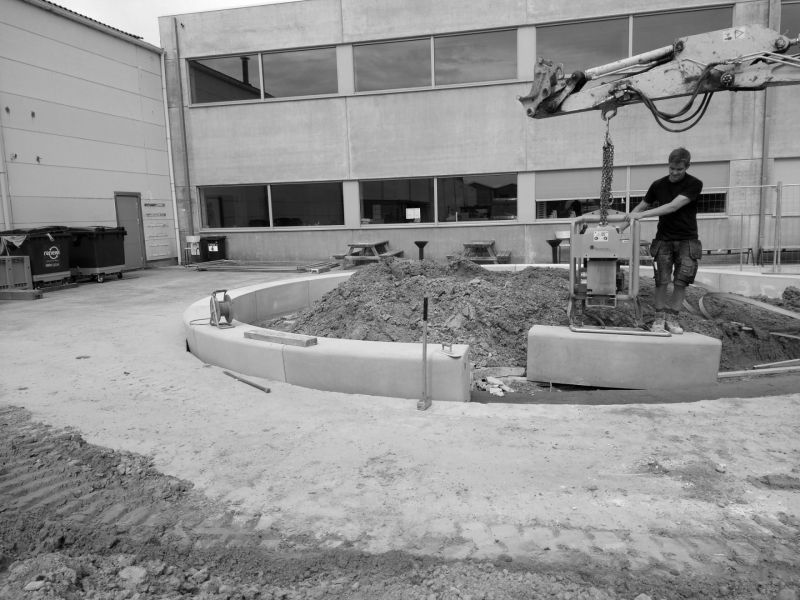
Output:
x=679 y=161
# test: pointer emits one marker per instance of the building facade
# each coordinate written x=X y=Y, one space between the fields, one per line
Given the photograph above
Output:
x=300 y=127
x=83 y=132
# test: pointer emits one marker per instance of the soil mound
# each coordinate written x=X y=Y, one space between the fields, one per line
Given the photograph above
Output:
x=492 y=311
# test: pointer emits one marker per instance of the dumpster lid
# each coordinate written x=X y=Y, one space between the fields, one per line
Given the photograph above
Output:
x=213 y=238
x=93 y=229
x=49 y=229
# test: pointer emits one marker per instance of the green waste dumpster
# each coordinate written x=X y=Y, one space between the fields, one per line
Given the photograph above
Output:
x=97 y=252
x=47 y=247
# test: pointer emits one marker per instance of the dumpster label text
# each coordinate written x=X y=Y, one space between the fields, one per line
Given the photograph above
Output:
x=51 y=256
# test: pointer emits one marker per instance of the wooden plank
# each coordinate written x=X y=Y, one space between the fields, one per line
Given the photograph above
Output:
x=20 y=294
x=281 y=337
x=725 y=374
x=479 y=244
x=366 y=244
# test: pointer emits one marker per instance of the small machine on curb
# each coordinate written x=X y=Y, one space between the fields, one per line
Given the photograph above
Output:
x=221 y=310
x=595 y=276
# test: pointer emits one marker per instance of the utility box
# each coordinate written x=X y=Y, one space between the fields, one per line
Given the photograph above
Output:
x=46 y=247
x=15 y=273
x=212 y=248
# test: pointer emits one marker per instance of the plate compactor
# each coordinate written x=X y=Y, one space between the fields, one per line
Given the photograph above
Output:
x=623 y=357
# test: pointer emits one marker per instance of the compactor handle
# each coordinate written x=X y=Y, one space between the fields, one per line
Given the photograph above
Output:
x=596 y=219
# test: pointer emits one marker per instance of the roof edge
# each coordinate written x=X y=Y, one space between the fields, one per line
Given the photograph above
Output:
x=89 y=22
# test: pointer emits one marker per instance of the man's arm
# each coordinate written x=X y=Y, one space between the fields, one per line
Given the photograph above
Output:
x=678 y=203
x=642 y=206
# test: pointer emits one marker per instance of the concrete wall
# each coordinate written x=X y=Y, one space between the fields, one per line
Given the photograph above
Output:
x=466 y=130
x=90 y=106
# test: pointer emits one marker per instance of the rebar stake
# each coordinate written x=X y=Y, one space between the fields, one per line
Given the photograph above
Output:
x=425 y=403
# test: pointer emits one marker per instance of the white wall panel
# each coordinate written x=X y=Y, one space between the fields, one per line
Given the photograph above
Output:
x=155 y=136
x=149 y=85
x=45 y=23
x=73 y=212
x=45 y=53
x=456 y=131
x=785 y=134
x=59 y=119
x=61 y=151
x=552 y=11
x=787 y=170
x=148 y=60
x=369 y=20
x=157 y=162
x=152 y=111
x=269 y=142
x=157 y=188
x=33 y=82
x=268 y=27
x=64 y=182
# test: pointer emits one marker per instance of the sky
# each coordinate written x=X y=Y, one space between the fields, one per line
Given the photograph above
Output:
x=140 y=17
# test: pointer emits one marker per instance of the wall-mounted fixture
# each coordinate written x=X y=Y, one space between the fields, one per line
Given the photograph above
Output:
x=33 y=114
x=8 y=110
x=13 y=157
x=38 y=159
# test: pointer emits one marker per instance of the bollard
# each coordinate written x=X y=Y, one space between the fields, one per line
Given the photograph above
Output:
x=421 y=245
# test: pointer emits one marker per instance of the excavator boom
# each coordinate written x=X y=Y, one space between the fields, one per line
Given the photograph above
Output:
x=749 y=57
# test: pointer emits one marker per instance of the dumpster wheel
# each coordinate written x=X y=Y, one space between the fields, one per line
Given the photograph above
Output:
x=101 y=277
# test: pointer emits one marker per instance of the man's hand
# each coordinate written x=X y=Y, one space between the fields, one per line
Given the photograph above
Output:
x=633 y=216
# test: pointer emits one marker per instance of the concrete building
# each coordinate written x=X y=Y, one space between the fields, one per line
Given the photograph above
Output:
x=300 y=127
x=83 y=132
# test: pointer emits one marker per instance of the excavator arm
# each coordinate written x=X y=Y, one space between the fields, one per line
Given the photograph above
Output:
x=745 y=58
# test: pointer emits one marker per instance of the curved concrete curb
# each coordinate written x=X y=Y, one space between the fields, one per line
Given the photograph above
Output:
x=334 y=365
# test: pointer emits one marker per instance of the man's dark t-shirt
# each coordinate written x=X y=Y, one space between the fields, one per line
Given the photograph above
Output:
x=682 y=224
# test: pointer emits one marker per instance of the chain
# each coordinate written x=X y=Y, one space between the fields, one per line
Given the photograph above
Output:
x=607 y=177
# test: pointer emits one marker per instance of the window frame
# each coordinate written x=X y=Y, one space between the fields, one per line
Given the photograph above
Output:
x=249 y=229
x=188 y=72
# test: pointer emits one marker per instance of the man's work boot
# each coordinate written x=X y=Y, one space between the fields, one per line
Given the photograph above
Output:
x=672 y=324
x=658 y=323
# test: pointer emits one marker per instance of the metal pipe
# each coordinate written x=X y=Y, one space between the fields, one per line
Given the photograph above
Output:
x=778 y=213
x=169 y=159
x=742 y=245
x=633 y=286
x=639 y=59
x=5 y=194
x=191 y=216
x=425 y=403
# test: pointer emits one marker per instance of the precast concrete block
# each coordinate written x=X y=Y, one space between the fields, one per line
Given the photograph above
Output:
x=229 y=349
x=379 y=368
x=281 y=297
x=559 y=355
x=244 y=307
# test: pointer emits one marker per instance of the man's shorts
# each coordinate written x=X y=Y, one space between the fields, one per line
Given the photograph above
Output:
x=683 y=256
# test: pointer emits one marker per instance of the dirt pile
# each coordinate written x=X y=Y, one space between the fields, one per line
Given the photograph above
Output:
x=492 y=311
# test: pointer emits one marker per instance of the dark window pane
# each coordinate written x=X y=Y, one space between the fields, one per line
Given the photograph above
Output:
x=300 y=204
x=581 y=46
x=655 y=31
x=477 y=198
x=224 y=79
x=236 y=206
x=568 y=209
x=486 y=56
x=394 y=65
x=706 y=203
x=397 y=201
x=790 y=19
x=300 y=73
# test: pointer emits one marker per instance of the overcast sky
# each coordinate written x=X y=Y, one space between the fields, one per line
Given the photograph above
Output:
x=140 y=17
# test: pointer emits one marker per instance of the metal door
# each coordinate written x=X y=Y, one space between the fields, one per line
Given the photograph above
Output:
x=129 y=216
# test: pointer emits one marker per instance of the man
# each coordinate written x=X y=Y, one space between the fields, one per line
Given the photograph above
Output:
x=676 y=247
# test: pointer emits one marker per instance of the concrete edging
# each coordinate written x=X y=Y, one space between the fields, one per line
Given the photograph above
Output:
x=333 y=365
x=372 y=368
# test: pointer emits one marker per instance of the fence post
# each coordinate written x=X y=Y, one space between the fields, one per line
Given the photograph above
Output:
x=778 y=211
x=741 y=240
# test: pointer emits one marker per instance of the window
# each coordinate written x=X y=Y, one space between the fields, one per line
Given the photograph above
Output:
x=561 y=193
x=655 y=31
x=224 y=79
x=236 y=206
x=488 y=56
x=581 y=46
x=300 y=73
x=393 y=65
x=790 y=18
x=715 y=178
x=397 y=201
x=301 y=204
x=477 y=198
